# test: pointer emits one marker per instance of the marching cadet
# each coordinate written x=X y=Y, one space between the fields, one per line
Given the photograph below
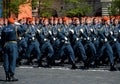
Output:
x=90 y=35
x=115 y=32
x=96 y=27
x=78 y=47
x=9 y=42
x=33 y=44
x=105 y=45
x=55 y=40
x=66 y=48
x=116 y=25
x=22 y=43
x=46 y=48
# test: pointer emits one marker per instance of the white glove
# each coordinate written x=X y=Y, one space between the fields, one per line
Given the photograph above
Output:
x=81 y=30
x=119 y=30
x=91 y=30
x=111 y=32
x=19 y=38
x=84 y=38
x=33 y=38
x=106 y=40
x=50 y=32
x=115 y=39
x=54 y=39
x=66 y=38
x=45 y=39
x=72 y=31
x=77 y=39
x=16 y=23
x=95 y=39
x=38 y=30
x=88 y=38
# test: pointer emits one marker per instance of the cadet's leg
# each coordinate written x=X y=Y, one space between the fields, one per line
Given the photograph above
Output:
x=118 y=48
x=111 y=57
x=6 y=66
x=93 y=49
x=13 y=56
x=50 y=54
x=82 y=51
x=71 y=55
x=38 y=52
x=28 y=52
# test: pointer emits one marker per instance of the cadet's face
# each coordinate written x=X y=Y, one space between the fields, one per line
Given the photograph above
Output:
x=6 y=21
x=37 y=22
x=33 y=22
x=60 y=21
x=24 y=21
x=70 y=21
x=99 y=21
x=77 y=22
x=95 y=21
x=46 y=22
x=116 y=21
x=82 y=21
x=56 y=21
x=66 y=22
x=1 y=22
x=88 y=21
x=108 y=22
x=21 y=22
x=51 y=21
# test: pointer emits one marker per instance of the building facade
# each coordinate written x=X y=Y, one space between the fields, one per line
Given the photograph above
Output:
x=99 y=7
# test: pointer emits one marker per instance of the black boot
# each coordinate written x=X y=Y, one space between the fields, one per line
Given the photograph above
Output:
x=74 y=66
x=29 y=61
x=86 y=64
x=49 y=62
x=7 y=77
x=40 y=63
x=12 y=78
x=112 y=68
x=18 y=62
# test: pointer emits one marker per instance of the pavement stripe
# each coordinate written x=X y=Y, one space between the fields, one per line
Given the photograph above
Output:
x=25 y=67
x=98 y=70
x=63 y=68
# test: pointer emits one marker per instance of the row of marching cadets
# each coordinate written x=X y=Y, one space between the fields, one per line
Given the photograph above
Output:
x=90 y=40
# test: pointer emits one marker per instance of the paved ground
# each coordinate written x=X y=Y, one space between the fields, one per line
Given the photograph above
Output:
x=62 y=75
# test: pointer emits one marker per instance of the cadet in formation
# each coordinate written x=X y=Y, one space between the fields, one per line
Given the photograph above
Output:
x=90 y=39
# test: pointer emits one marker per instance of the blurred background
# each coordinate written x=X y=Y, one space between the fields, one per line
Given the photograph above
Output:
x=58 y=8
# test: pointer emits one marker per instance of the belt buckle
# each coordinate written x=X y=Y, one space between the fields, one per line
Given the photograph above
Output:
x=33 y=38
x=45 y=39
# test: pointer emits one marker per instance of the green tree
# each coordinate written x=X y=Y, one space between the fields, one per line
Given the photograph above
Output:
x=71 y=7
x=44 y=7
x=11 y=6
x=115 y=7
x=76 y=8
